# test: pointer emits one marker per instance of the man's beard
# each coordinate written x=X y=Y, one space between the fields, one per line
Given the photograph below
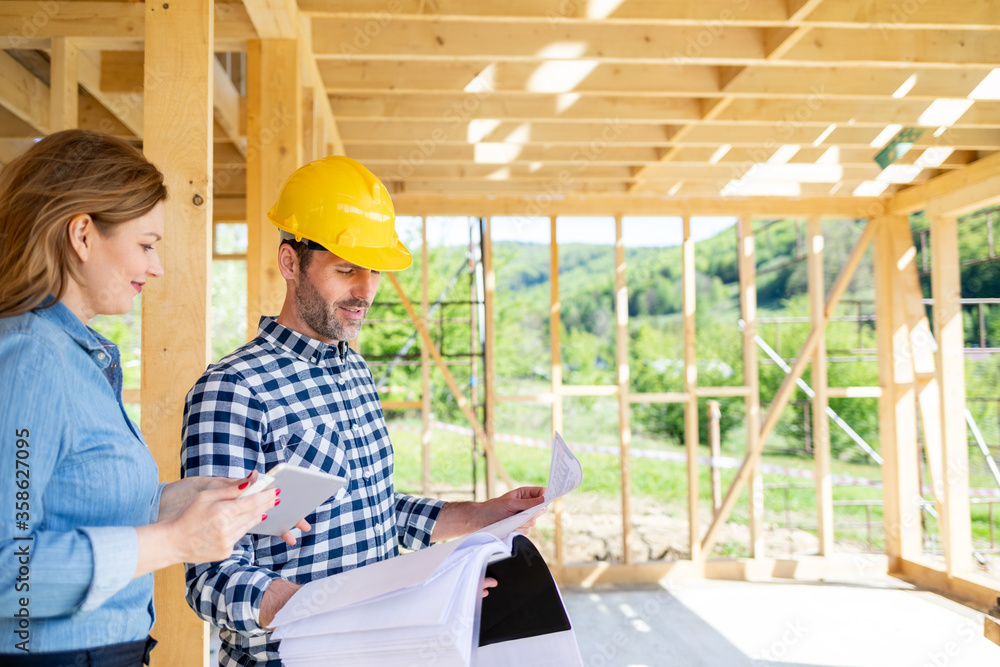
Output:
x=322 y=316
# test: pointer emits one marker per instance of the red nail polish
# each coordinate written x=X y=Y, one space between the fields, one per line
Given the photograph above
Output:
x=243 y=485
x=263 y=517
x=276 y=501
x=277 y=492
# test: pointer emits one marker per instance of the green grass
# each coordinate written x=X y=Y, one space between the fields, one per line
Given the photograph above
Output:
x=662 y=481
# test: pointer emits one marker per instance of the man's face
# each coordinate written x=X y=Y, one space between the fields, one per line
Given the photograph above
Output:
x=333 y=296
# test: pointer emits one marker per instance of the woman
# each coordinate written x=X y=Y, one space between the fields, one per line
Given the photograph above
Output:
x=83 y=521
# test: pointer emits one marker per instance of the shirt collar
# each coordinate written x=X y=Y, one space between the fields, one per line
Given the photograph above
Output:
x=60 y=315
x=305 y=348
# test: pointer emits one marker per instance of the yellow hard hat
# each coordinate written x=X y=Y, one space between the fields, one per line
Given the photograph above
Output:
x=337 y=203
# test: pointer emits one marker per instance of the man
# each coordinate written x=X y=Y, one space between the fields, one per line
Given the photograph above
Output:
x=298 y=394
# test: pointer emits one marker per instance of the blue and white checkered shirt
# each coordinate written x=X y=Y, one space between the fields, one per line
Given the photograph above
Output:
x=287 y=398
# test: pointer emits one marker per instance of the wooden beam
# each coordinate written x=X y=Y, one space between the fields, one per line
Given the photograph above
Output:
x=400 y=405
x=624 y=409
x=991 y=629
x=274 y=19
x=615 y=134
x=715 y=452
x=107 y=26
x=849 y=207
x=555 y=326
x=920 y=353
x=456 y=392
x=949 y=48
x=229 y=209
x=719 y=392
x=178 y=113
x=784 y=392
x=309 y=129
x=24 y=95
x=688 y=309
x=971 y=589
x=463 y=39
x=956 y=529
x=854 y=392
x=65 y=81
x=127 y=108
x=508 y=41
x=122 y=71
x=330 y=135
x=274 y=116
x=897 y=412
x=362 y=76
x=489 y=352
x=927 y=15
x=25 y=20
x=425 y=365
x=820 y=402
x=226 y=107
x=966 y=190
x=431 y=107
x=747 y=266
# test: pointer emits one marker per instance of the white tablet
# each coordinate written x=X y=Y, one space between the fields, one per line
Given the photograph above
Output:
x=302 y=491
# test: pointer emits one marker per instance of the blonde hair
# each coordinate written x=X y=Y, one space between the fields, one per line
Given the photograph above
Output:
x=65 y=174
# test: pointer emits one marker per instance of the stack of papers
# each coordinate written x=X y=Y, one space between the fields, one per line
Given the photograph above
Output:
x=425 y=608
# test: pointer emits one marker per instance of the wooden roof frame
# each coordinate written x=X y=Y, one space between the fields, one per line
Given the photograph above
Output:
x=657 y=109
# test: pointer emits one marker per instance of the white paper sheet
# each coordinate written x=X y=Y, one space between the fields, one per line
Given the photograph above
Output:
x=375 y=614
x=565 y=475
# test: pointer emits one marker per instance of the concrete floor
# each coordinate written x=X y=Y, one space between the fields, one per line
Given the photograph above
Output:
x=878 y=623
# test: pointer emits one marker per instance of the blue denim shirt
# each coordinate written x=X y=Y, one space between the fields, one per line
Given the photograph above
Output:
x=84 y=479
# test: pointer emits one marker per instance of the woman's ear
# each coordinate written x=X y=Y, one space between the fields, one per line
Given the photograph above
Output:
x=81 y=232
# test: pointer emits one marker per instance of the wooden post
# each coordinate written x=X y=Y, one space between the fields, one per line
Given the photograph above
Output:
x=956 y=529
x=64 y=84
x=489 y=358
x=555 y=323
x=897 y=409
x=820 y=420
x=473 y=339
x=624 y=408
x=425 y=366
x=178 y=139
x=785 y=390
x=274 y=151
x=715 y=450
x=751 y=377
x=689 y=305
x=309 y=129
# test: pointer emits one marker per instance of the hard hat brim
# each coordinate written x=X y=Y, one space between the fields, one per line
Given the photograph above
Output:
x=396 y=258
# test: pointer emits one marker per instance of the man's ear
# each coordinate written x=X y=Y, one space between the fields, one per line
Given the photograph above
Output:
x=81 y=231
x=288 y=262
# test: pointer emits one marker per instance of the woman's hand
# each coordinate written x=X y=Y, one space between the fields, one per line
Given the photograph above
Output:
x=215 y=518
x=177 y=496
x=202 y=522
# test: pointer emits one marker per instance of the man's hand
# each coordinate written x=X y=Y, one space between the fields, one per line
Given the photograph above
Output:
x=275 y=596
x=463 y=518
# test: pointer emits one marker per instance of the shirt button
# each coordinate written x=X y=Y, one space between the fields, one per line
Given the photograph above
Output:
x=101 y=356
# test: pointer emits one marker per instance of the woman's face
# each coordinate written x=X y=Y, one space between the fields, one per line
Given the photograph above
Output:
x=118 y=265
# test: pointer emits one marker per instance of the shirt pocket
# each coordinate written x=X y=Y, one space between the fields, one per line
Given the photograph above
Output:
x=318 y=448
